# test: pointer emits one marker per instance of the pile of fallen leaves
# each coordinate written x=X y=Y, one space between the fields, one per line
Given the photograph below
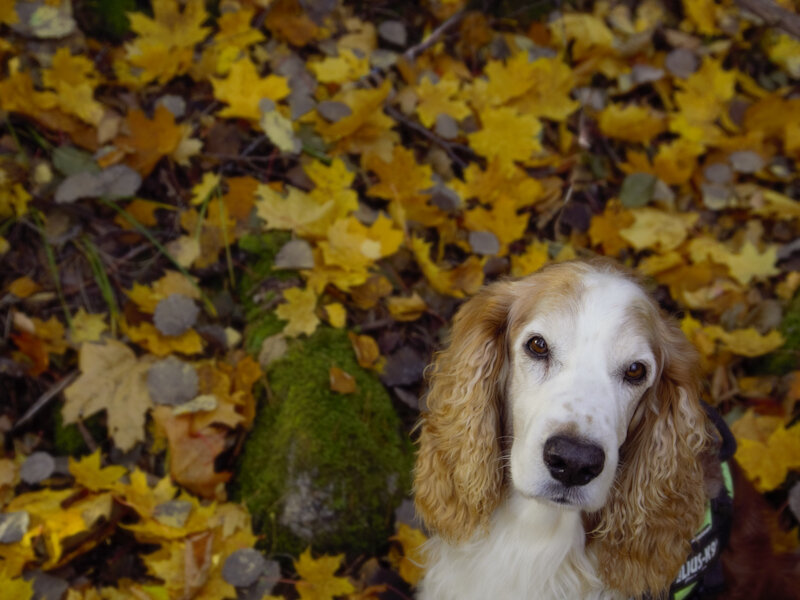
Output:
x=414 y=151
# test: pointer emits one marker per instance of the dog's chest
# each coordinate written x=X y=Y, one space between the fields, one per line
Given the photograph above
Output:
x=529 y=547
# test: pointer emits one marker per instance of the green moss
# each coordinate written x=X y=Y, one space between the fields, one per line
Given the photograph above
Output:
x=263 y=248
x=341 y=458
x=787 y=357
x=68 y=440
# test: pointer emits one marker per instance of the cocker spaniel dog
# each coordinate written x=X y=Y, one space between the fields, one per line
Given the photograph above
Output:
x=565 y=454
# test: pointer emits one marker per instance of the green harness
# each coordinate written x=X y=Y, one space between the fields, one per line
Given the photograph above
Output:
x=702 y=571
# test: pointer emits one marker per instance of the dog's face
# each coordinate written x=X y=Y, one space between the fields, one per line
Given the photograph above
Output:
x=580 y=361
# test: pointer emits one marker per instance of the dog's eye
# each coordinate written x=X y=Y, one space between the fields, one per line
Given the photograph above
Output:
x=537 y=346
x=636 y=372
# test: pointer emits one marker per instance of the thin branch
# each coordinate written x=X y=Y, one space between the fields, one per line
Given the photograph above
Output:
x=45 y=398
x=411 y=54
x=448 y=147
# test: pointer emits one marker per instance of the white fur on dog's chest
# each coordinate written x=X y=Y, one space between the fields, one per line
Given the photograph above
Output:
x=531 y=551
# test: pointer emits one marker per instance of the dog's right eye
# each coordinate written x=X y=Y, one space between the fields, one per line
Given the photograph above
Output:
x=537 y=346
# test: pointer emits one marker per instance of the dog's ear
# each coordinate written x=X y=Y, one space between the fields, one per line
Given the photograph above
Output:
x=458 y=479
x=658 y=501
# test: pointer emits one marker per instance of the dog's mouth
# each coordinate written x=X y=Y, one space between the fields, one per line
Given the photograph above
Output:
x=563 y=496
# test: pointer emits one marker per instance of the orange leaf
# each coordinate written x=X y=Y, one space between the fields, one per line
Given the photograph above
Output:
x=341 y=381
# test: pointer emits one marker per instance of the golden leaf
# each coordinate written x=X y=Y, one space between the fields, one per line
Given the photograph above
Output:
x=440 y=98
x=406 y=309
x=507 y=135
x=243 y=89
x=536 y=255
x=631 y=123
x=114 y=380
x=87 y=327
x=148 y=337
x=409 y=562
x=89 y=474
x=656 y=229
x=149 y=140
x=165 y=44
x=298 y=311
x=336 y=313
x=317 y=579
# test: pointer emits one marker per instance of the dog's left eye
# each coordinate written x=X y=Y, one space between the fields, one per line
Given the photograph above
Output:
x=635 y=373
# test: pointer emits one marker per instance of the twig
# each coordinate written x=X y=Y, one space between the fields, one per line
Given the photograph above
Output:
x=773 y=15
x=424 y=131
x=51 y=393
x=429 y=41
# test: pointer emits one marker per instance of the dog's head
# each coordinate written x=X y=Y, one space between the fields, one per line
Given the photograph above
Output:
x=569 y=388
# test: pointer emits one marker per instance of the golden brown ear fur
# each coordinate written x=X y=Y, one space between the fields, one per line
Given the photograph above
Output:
x=656 y=506
x=458 y=479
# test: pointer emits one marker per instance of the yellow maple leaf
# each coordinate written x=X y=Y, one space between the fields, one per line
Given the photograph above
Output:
x=243 y=89
x=409 y=563
x=235 y=34
x=347 y=66
x=147 y=336
x=16 y=587
x=498 y=184
x=297 y=211
x=440 y=98
x=536 y=255
x=589 y=34
x=164 y=47
x=749 y=263
x=74 y=79
x=87 y=327
x=767 y=450
x=51 y=333
x=299 y=311
x=147 y=298
x=604 y=229
x=367 y=130
x=701 y=16
x=403 y=181
x=507 y=135
x=89 y=474
x=149 y=140
x=703 y=98
x=114 y=380
x=317 y=579
x=746 y=342
x=653 y=228
x=502 y=219
x=332 y=183
x=540 y=87
x=460 y=281
x=631 y=123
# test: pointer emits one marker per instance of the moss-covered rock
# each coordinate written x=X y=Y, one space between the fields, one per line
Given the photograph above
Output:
x=319 y=467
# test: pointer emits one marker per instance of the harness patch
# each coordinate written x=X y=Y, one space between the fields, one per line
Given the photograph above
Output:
x=702 y=566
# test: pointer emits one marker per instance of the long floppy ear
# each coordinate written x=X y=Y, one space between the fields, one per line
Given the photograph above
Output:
x=458 y=479
x=658 y=500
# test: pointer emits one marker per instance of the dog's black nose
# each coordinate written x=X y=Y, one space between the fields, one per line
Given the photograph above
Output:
x=572 y=461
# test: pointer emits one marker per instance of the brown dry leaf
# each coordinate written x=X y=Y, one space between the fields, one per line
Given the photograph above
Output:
x=341 y=381
x=192 y=453
x=115 y=380
x=149 y=140
x=23 y=287
x=366 y=348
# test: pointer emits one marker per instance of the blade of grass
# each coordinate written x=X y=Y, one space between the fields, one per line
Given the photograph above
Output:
x=90 y=251
x=160 y=247
x=223 y=225
x=53 y=266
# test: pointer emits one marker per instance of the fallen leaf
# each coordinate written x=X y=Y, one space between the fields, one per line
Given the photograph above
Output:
x=341 y=381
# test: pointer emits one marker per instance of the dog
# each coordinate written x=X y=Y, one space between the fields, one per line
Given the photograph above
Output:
x=565 y=454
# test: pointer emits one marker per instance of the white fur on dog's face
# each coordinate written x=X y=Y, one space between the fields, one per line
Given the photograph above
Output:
x=580 y=389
